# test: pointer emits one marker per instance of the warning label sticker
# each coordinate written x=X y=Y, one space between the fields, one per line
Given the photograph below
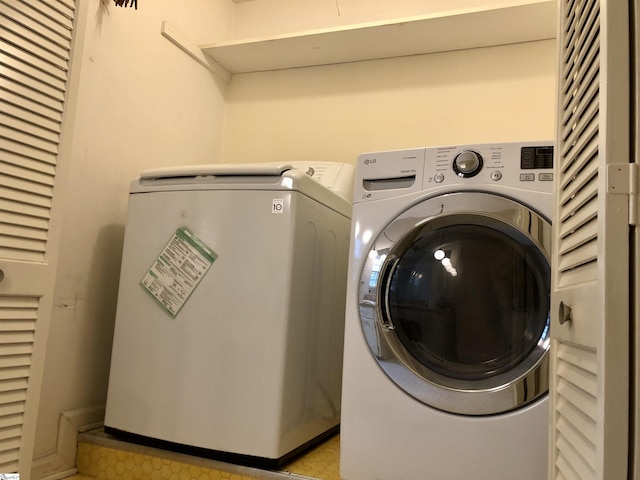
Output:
x=178 y=270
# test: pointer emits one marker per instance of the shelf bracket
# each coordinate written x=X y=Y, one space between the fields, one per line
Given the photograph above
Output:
x=183 y=43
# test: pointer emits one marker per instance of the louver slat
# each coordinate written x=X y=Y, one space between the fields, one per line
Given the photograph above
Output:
x=30 y=71
x=29 y=175
x=10 y=406
x=580 y=155
x=30 y=106
x=578 y=377
x=41 y=189
x=9 y=433
x=580 y=218
x=14 y=213
x=25 y=197
x=577 y=418
x=578 y=176
x=68 y=3
x=578 y=126
x=17 y=361
x=586 y=143
x=10 y=420
x=575 y=242
x=573 y=258
x=37 y=159
x=33 y=62
x=51 y=47
x=36 y=84
x=24 y=254
x=571 y=462
x=60 y=7
x=575 y=204
x=28 y=128
x=36 y=236
x=31 y=96
x=11 y=209
x=13 y=384
x=29 y=118
x=54 y=11
x=45 y=167
x=26 y=139
x=9 y=460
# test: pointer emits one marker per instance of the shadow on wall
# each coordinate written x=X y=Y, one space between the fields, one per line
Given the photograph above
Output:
x=79 y=347
x=101 y=301
x=87 y=319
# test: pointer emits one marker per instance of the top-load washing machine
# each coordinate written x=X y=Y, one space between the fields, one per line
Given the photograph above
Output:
x=230 y=318
x=447 y=323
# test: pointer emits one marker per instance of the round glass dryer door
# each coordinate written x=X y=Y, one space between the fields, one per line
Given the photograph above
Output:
x=454 y=303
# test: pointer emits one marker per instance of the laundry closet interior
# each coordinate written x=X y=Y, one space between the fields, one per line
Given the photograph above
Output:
x=294 y=81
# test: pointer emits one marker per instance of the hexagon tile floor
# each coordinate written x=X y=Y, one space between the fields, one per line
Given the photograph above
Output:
x=102 y=457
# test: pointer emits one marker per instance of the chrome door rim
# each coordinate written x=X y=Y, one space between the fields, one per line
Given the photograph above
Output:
x=525 y=383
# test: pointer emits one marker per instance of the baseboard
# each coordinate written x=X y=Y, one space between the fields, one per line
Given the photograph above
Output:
x=63 y=463
x=51 y=467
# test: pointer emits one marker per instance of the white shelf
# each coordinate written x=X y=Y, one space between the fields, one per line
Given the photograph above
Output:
x=515 y=22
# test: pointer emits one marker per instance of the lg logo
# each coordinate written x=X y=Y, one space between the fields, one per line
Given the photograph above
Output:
x=368 y=161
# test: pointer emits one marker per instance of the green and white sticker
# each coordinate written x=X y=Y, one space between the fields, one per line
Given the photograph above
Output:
x=178 y=270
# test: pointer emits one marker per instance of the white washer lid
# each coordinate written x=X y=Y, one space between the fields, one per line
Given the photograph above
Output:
x=229 y=169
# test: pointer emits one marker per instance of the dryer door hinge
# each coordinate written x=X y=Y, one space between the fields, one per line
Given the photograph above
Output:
x=622 y=179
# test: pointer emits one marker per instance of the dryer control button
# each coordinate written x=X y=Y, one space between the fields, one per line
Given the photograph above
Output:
x=467 y=163
x=439 y=178
x=496 y=175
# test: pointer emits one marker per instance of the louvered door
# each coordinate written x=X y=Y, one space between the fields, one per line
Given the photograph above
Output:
x=35 y=45
x=590 y=279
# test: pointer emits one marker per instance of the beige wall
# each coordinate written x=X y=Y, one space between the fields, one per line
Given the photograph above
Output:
x=141 y=103
x=335 y=112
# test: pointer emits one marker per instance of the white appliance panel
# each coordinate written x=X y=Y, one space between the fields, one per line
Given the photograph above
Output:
x=387 y=434
x=251 y=365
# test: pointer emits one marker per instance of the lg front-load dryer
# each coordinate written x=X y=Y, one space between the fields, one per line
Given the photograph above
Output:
x=230 y=318
x=447 y=322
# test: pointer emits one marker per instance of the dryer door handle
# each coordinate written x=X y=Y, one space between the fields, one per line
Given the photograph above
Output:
x=386 y=272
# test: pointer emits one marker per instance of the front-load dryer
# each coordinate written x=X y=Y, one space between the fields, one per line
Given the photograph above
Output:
x=447 y=322
x=230 y=318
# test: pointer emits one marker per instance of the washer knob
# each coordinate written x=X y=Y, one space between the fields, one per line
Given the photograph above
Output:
x=467 y=163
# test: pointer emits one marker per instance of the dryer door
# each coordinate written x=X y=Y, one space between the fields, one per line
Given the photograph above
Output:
x=454 y=302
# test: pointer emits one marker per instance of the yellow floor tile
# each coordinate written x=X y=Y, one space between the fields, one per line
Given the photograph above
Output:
x=102 y=457
x=321 y=462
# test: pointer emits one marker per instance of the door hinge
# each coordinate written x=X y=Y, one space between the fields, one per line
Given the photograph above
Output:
x=622 y=179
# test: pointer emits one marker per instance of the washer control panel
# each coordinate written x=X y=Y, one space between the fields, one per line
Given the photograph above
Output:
x=512 y=163
x=524 y=165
